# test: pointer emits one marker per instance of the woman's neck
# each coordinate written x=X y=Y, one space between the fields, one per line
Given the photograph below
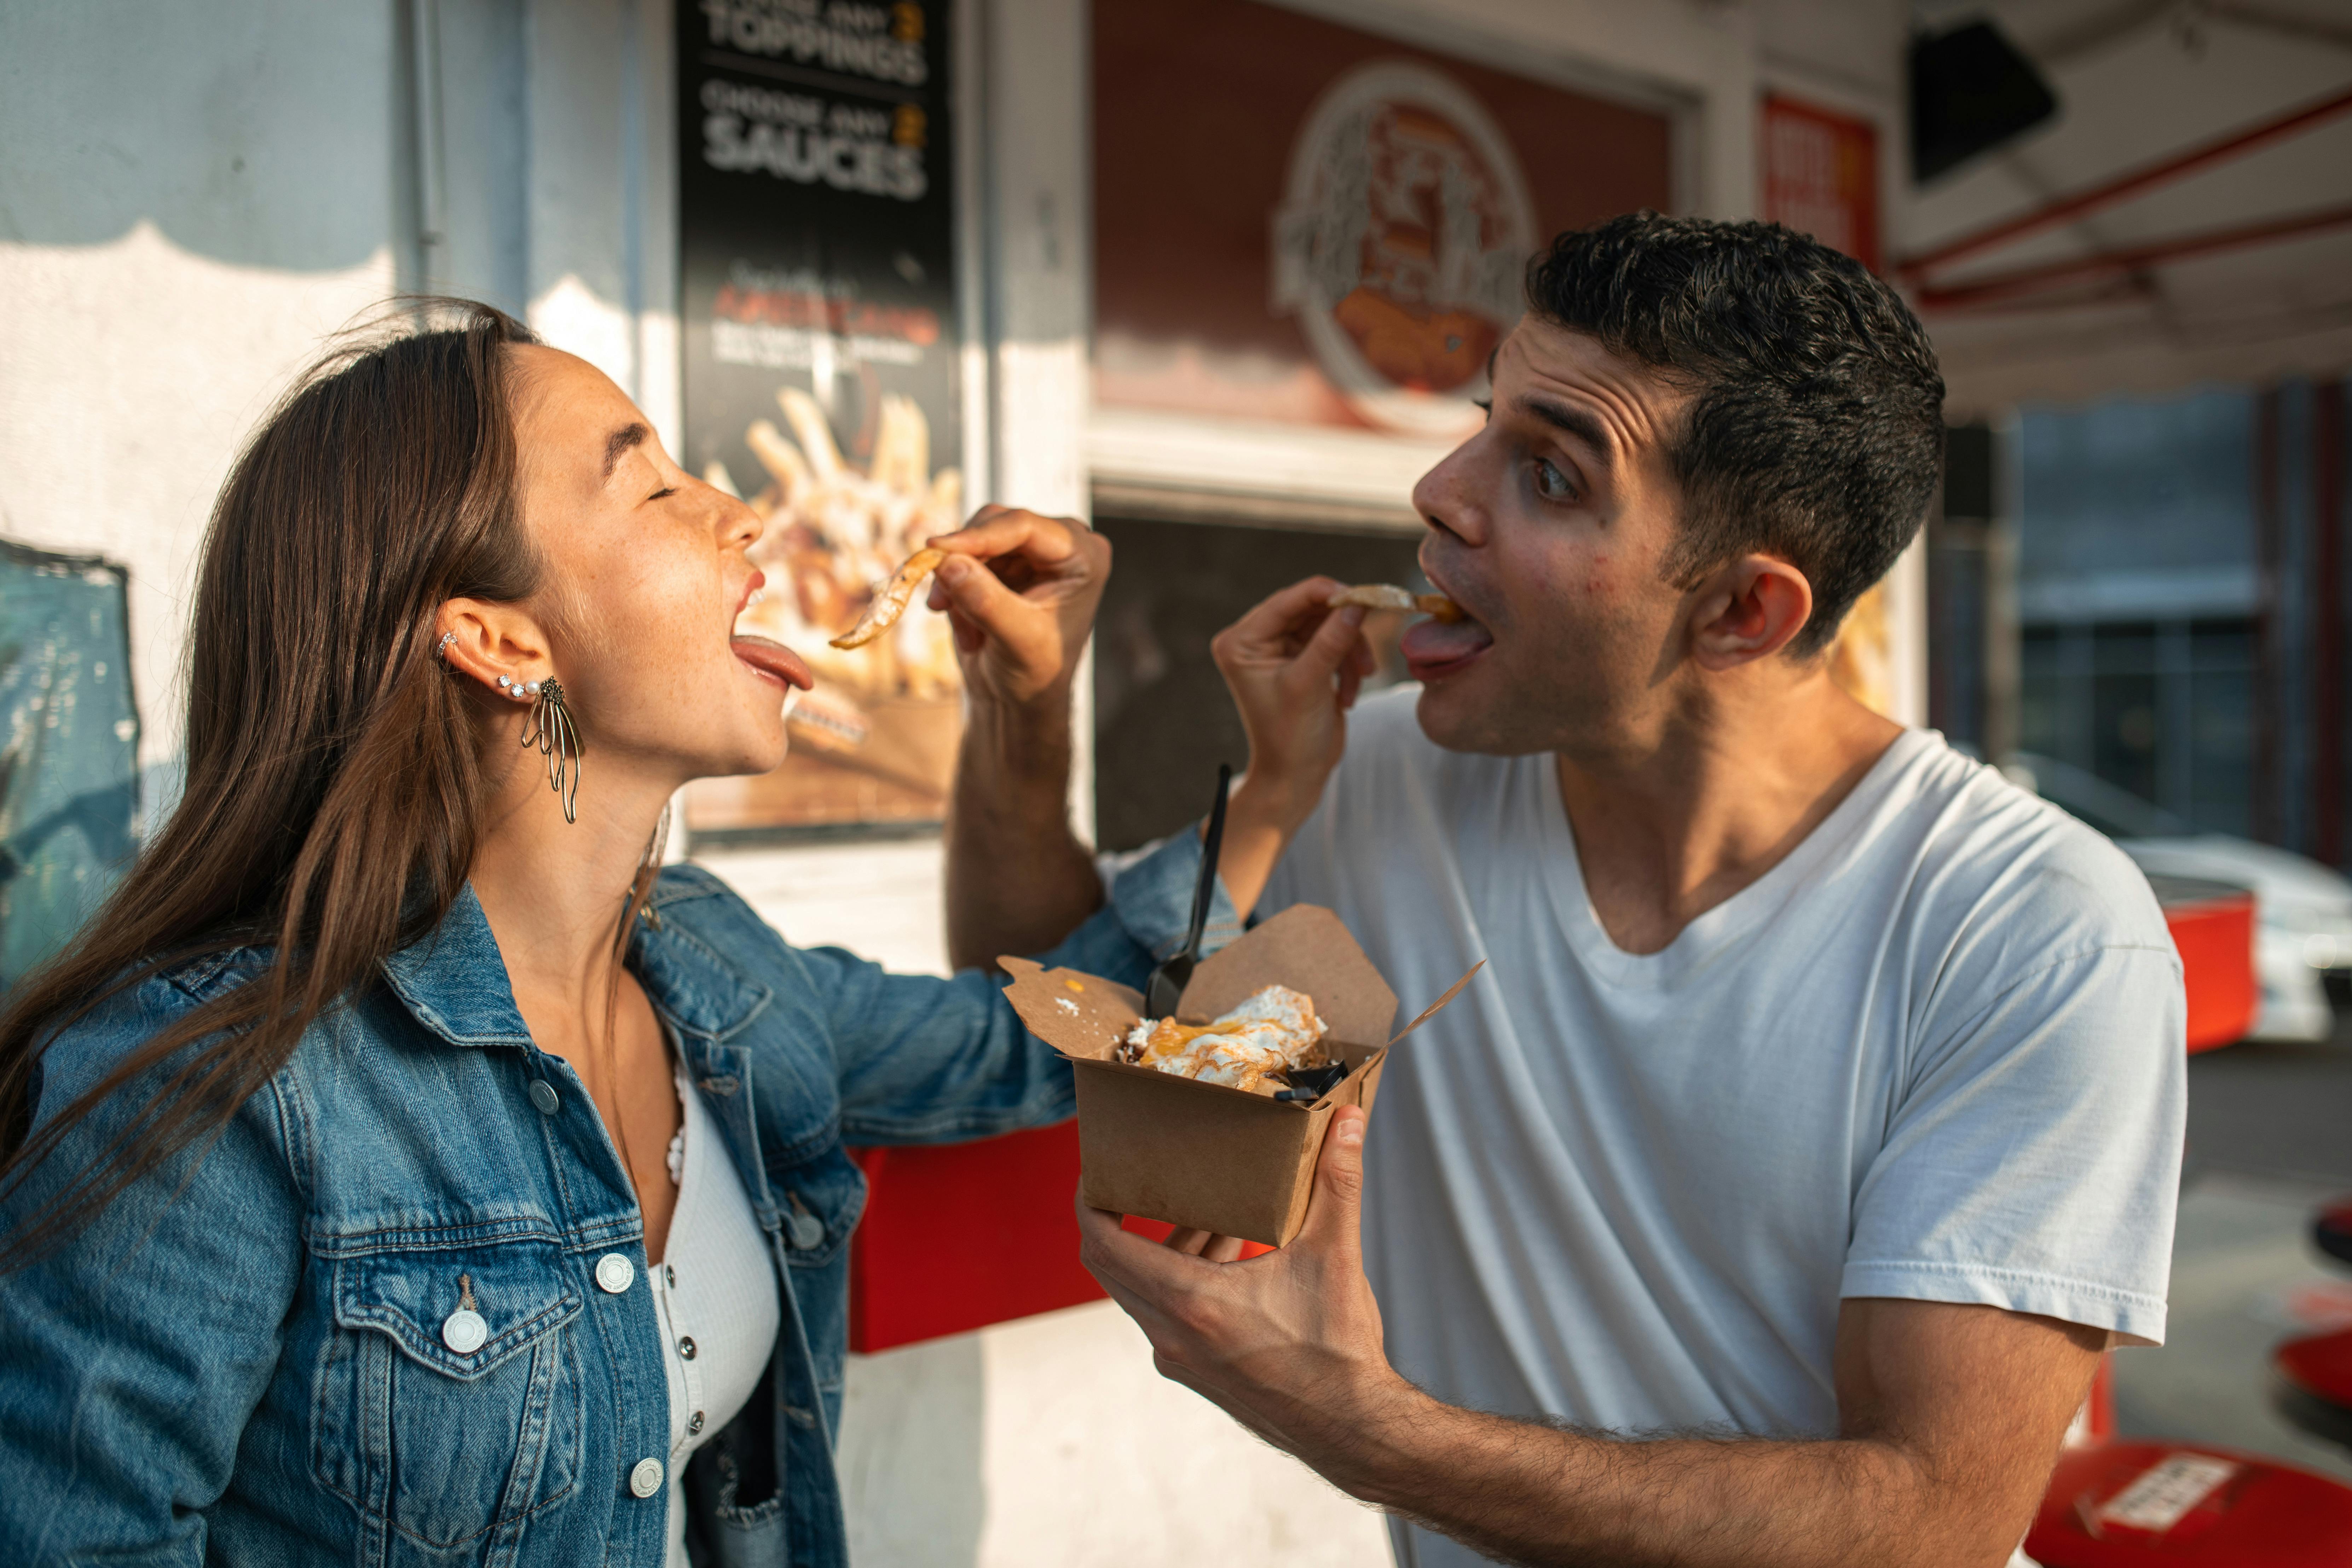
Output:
x=555 y=892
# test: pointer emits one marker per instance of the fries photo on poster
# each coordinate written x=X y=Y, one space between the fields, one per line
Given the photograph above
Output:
x=821 y=337
x=889 y=710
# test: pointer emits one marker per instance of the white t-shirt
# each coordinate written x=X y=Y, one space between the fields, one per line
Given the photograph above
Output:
x=1937 y=1052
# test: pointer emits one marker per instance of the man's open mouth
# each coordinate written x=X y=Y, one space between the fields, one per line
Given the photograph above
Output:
x=1435 y=649
x=772 y=661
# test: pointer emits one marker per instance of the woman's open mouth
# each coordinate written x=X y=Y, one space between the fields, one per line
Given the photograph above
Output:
x=772 y=660
x=1434 y=650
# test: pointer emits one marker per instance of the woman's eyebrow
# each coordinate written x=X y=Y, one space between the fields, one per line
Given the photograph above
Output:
x=626 y=438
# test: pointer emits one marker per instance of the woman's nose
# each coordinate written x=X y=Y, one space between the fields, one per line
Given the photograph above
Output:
x=740 y=527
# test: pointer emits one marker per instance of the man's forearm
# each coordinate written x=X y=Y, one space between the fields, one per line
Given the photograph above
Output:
x=1018 y=880
x=1533 y=1494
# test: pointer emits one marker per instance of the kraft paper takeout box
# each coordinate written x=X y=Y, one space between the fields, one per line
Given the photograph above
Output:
x=1200 y=1154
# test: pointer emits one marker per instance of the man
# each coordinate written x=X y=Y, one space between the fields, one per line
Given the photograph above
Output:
x=1816 y=1122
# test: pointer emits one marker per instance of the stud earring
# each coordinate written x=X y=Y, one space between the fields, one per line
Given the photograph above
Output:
x=550 y=728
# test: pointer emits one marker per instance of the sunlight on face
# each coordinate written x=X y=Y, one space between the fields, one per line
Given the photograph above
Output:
x=647 y=571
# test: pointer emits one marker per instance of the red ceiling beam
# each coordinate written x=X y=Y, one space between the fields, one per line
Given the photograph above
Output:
x=2124 y=186
x=2003 y=287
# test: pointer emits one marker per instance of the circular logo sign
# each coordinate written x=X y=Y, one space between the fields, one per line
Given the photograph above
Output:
x=1400 y=245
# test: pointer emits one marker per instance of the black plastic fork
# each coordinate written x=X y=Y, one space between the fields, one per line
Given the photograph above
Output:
x=1166 y=983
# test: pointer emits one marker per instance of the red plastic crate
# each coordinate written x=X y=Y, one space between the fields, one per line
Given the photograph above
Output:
x=2215 y=936
x=2243 y=1511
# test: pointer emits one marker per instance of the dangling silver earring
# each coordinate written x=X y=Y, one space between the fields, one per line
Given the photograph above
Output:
x=550 y=728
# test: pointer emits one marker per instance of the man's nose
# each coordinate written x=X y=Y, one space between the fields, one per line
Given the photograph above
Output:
x=1447 y=500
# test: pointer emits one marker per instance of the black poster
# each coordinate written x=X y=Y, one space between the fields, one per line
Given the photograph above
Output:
x=817 y=235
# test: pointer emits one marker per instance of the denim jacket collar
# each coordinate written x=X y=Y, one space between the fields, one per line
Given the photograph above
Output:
x=454 y=981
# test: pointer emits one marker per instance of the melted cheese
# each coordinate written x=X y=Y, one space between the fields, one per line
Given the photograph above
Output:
x=1248 y=1048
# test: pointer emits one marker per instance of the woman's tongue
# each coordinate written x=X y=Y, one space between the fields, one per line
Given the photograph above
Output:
x=1429 y=644
x=775 y=657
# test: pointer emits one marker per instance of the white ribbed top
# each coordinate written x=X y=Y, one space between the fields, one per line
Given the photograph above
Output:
x=716 y=1290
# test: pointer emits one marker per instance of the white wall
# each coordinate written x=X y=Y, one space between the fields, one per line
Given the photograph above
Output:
x=194 y=198
x=191 y=198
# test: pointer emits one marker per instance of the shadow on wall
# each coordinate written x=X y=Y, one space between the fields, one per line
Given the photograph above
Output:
x=200 y=118
x=69 y=748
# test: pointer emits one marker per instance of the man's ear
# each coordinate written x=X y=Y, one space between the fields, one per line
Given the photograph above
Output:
x=1748 y=610
x=490 y=640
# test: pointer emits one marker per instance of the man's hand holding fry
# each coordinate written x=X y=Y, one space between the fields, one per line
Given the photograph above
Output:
x=1294 y=664
x=1021 y=591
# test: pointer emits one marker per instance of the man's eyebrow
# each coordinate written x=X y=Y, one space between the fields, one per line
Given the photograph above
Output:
x=1575 y=422
x=626 y=438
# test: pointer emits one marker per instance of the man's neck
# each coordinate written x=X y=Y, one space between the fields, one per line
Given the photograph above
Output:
x=1729 y=786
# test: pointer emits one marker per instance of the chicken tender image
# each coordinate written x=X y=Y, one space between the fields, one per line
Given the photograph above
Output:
x=1252 y=1047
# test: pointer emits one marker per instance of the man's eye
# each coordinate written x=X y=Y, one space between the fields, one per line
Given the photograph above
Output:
x=1484 y=405
x=663 y=493
x=1552 y=483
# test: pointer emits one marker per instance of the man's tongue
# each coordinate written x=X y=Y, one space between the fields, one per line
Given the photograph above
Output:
x=765 y=653
x=1427 y=644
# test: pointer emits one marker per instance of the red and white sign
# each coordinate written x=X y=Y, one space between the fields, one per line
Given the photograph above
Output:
x=1821 y=176
x=1400 y=245
x=1301 y=222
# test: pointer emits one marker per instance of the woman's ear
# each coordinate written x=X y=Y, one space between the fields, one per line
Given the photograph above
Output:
x=486 y=641
x=1748 y=610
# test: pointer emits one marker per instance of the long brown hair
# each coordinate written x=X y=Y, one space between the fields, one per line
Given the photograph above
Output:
x=333 y=791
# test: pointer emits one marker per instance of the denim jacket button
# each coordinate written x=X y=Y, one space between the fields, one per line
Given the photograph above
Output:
x=646 y=1478
x=543 y=1095
x=464 y=1331
x=615 y=1274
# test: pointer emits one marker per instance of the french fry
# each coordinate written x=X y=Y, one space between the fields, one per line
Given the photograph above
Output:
x=1388 y=597
x=815 y=434
x=902 y=442
x=947 y=492
x=714 y=475
x=891 y=603
x=780 y=459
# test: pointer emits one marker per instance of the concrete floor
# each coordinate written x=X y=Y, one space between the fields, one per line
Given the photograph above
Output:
x=2270 y=1138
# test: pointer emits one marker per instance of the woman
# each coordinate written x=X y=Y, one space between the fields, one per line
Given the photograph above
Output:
x=400 y=1170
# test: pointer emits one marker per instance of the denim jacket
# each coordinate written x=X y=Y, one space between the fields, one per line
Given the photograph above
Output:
x=243 y=1360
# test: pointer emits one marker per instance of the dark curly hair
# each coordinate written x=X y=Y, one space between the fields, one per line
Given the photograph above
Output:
x=1817 y=431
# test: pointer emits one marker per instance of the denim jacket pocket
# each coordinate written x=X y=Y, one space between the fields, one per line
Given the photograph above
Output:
x=448 y=1398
